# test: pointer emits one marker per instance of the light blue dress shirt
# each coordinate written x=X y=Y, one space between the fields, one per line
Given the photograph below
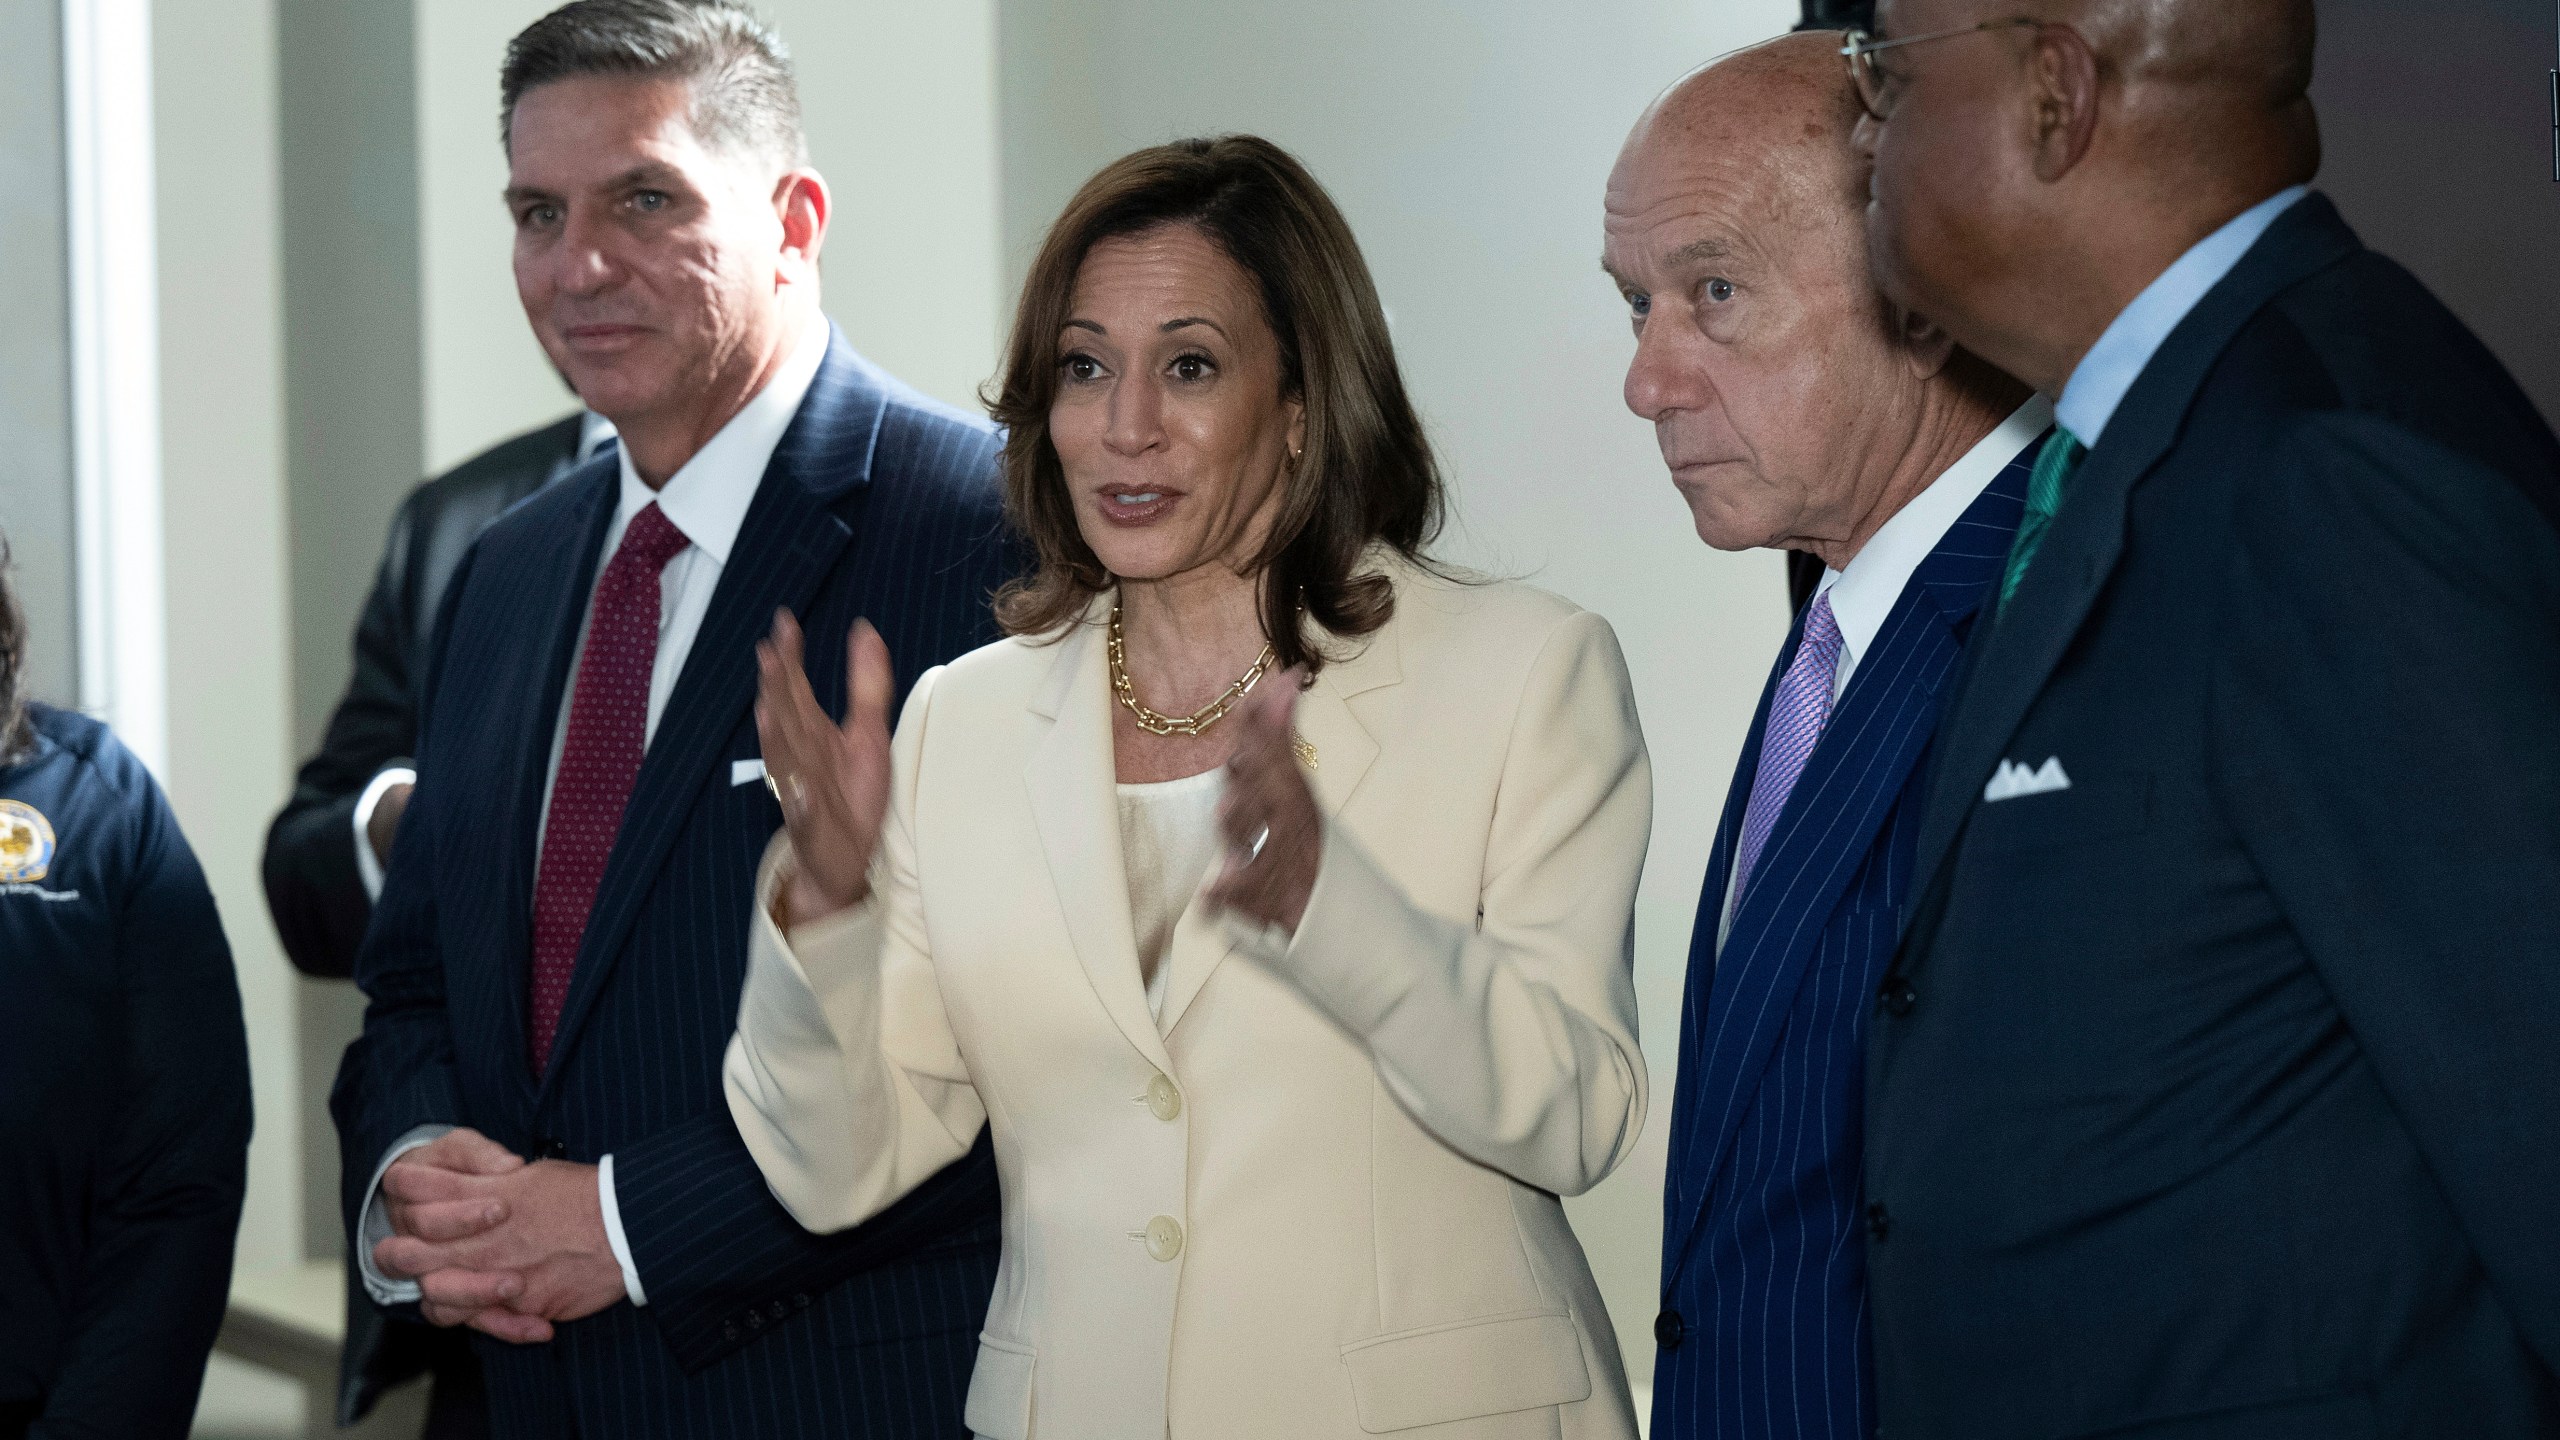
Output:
x=2098 y=385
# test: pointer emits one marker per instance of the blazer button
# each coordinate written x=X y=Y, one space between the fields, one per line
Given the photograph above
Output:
x=1164 y=1237
x=1879 y=1222
x=550 y=1149
x=1669 y=1329
x=1897 y=997
x=1163 y=1099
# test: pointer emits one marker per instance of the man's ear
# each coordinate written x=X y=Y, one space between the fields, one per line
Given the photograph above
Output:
x=800 y=199
x=1925 y=347
x=2062 y=79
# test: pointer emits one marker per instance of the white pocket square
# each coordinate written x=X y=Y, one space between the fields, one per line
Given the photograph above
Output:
x=2012 y=780
x=745 y=772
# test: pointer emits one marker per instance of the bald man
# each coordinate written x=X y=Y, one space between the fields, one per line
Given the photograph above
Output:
x=1798 y=410
x=2217 y=1085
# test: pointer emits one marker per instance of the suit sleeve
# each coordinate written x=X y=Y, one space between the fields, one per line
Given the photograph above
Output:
x=2385 y=712
x=172 y=1174
x=1512 y=1039
x=844 y=1078
x=314 y=890
x=399 y=1072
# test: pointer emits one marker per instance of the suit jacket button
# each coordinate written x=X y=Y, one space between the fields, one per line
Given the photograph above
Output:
x=1164 y=1237
x=1897 y=997
x=1669 y=1329
x=1163 y=1099
x=550 y=1149
x=1879 y=1222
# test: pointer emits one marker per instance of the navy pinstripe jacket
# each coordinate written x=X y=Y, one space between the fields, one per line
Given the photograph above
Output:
x=1763 y=1330
x=878 y=503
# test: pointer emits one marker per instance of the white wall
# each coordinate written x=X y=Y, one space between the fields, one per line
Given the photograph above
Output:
x=1469 y=144
x=222 y=438
x=899 y=104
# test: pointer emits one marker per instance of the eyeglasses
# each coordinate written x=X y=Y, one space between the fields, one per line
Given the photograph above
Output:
x=1862 y=49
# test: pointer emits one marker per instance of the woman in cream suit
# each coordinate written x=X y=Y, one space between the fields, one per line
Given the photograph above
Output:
x=1295 y=1004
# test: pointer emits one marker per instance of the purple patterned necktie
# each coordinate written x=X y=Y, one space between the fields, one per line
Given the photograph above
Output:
x=1797 y=716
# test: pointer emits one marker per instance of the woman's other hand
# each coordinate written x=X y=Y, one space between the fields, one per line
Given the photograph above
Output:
x=1273 y=830
x=832 y=780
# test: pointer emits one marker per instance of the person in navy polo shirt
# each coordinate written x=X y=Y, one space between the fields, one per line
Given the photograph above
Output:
x=124 y=1083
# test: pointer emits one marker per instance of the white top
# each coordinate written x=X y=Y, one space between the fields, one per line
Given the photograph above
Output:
x=706 y=499
x=2099 y=382
x=1168 y=840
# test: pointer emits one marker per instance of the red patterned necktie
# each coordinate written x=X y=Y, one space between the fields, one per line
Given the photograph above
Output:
x=599 y=760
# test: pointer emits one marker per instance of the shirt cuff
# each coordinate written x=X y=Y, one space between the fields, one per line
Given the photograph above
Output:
x=613 y=1235
x=367 y=864
x=374 y=1222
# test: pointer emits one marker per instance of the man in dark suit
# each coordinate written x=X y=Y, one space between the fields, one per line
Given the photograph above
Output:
x=124 y=1084
x=1798 y=410
x=535 y=1139
x=2213 y=1087
x=326 y=849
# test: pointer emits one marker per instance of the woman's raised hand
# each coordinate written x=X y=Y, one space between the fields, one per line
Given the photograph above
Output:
x=1273 y=828
x=832 y=780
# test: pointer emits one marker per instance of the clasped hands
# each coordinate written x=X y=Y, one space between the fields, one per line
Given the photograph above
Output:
x=833 y=782
x=505 y=1246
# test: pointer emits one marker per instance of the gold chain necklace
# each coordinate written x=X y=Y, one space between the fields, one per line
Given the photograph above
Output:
x=1198 y=721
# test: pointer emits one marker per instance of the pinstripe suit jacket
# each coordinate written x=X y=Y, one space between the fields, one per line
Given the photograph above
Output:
x=877 y=503
x=1763 y=1327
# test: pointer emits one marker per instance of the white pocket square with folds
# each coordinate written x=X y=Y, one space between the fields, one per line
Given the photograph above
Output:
x=2013 y=780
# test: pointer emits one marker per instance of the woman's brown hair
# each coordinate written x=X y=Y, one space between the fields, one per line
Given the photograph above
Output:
x=1365 y=476
x=14 y=735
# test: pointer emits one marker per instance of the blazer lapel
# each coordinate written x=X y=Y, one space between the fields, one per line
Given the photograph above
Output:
x=1840 y=804
x=786 y=546
x=1343 y=751
x=2027 y=641
x=1075 y=804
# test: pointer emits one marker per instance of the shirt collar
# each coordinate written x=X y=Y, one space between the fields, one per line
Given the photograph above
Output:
x=1864 y=594
x=707 y=498
x=593 y=431
x=2098 y=384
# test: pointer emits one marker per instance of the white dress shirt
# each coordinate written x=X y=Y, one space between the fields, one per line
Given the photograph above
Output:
x=593 y=431
x=707 y=500
x=1864 y=594
x=2099 y=382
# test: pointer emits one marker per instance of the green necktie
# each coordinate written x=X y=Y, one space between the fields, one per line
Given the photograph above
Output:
x=2061 y=455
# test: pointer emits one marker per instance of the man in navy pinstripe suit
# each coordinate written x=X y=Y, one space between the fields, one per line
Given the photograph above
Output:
x=534 y=1135
x=1798 y=410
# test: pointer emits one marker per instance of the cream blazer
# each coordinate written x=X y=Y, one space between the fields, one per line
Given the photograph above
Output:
x=1319 y=1197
